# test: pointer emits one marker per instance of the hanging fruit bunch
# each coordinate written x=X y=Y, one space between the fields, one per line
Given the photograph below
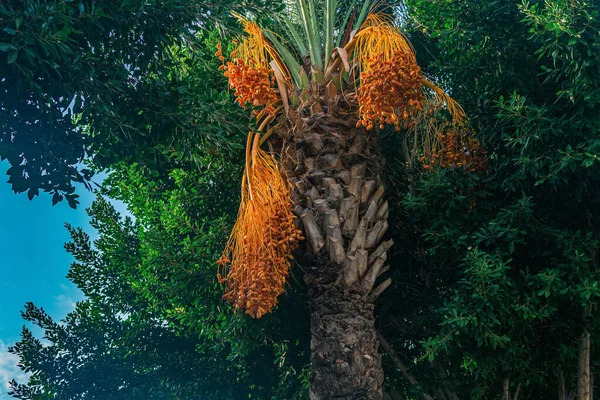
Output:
x=249 y=73
x=252 y=86
x=457 y=149
x=390 y=92
x=256 y=260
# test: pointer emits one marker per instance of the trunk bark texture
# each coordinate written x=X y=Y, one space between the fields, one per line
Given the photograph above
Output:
x=562 y=391
x=583 y=375
x=516 y=395
x=338 y=196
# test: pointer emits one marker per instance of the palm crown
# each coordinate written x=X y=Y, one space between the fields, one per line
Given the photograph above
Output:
x=351 y=61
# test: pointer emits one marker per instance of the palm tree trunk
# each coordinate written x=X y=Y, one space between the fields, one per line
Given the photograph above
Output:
x=339 y=199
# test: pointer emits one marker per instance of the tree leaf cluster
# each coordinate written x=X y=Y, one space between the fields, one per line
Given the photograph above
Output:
x=498 y=267
x=99 y=82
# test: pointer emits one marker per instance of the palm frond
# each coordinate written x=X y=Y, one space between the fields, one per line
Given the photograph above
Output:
x=364 y=11
x=292 y=68
x=299 y=41
x=342 y=25
x=306 y=11
x=329 y=19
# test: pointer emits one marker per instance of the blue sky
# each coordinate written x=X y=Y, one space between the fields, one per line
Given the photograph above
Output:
x=33 y=263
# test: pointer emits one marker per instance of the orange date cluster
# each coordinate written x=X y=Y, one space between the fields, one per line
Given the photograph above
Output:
x=457 y=150
x=390 y=92
x=257 y=257
x=258 y=278
x=252 y=85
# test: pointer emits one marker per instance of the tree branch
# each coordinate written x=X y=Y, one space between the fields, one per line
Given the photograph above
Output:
x=400 y=365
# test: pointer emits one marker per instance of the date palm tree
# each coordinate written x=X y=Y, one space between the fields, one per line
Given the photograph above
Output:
x=320 y=89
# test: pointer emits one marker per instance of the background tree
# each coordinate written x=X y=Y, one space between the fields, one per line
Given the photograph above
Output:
x=103 y=82
x=153 y=279
x=499 y=297
x=153 y=324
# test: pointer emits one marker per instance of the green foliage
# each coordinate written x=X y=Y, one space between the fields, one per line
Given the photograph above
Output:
x=154 y=307
x=106 y=81
x=491 y=272
x=498 y=267
x=112 y=346
x=135 y=86
x=101 y=353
